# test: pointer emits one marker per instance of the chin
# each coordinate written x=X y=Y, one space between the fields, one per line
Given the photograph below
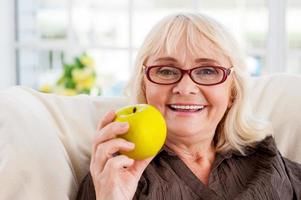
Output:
x=183 y=132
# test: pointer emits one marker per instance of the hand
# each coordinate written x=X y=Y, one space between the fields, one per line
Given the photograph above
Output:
x=114 y=177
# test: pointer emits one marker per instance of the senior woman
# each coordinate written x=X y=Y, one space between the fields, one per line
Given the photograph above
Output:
x=191 y=70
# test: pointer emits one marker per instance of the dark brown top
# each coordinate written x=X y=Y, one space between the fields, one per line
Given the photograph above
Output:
x=260 y=174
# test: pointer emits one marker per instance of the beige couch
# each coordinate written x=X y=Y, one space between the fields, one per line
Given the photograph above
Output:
x=45 y=140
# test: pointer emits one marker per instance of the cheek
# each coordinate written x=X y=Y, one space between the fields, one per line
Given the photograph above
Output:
x=219 y=97
x=156 y=95
x=151 y=94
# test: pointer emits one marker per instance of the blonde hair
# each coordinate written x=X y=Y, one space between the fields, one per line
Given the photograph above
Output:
x=238 y=128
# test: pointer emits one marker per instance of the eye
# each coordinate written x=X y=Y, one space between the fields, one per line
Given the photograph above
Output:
x=206 y=71
x=167 y=71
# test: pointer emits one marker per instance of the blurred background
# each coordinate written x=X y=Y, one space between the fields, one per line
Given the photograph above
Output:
x=74 y=46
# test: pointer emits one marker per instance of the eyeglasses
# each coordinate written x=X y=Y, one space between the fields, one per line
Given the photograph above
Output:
x=204 y=75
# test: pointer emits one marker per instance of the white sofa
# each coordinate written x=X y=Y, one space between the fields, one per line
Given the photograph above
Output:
x=45 y=140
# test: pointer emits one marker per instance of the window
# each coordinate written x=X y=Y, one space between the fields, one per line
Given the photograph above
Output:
x=293 y=61
x=50 y=32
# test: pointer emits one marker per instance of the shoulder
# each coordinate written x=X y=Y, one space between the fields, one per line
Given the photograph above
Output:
x=263 y=154
x=270 y=167
x=261 y=161
x=266 y=146
x=265 y=149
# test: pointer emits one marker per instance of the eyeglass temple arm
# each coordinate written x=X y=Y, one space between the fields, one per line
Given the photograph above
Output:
x=229 y=70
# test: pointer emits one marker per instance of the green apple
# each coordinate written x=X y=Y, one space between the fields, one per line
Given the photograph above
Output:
x=147 y=130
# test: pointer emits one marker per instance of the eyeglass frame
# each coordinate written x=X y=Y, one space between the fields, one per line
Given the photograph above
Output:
x=226 y=73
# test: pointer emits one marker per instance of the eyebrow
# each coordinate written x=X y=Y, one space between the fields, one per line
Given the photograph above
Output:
x=166 y=59
x=198 y=60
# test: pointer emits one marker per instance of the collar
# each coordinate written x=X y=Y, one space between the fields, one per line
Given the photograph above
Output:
x=266 y=146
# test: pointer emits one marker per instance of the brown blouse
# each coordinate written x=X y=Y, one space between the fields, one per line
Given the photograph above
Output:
x=260 y=174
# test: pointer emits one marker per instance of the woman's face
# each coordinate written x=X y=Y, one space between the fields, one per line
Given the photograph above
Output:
x=216 y=99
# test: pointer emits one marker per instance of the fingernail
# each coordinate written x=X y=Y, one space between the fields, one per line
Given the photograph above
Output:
x=123 y=124
x=111 y=112
x=130 y=145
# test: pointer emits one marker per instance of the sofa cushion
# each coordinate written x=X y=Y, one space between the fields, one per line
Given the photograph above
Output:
x=45 y=142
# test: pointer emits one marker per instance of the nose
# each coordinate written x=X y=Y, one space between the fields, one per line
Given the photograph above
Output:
x=185 y=86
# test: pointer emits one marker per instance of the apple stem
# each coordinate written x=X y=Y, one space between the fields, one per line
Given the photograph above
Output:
x=134 y=109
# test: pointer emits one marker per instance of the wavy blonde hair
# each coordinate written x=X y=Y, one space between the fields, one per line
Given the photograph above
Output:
x=238 y=128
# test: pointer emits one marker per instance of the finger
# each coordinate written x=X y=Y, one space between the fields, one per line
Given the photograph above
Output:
x=109 y=132
x=106 y=150
x=140 y=165
x=118 y=163
x=109 y=117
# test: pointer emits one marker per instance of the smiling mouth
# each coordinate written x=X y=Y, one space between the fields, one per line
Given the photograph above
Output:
x=186 y=108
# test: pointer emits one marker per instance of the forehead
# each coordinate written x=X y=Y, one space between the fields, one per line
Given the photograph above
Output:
x=187 y=48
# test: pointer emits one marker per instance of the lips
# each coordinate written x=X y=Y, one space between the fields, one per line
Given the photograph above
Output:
x=186 y=107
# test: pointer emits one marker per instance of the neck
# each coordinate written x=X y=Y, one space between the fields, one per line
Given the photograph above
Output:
x=200 y=150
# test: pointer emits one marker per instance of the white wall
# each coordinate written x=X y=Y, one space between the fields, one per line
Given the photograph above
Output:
x=7 y=52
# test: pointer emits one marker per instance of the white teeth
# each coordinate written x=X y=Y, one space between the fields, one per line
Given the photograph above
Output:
x=187 y=107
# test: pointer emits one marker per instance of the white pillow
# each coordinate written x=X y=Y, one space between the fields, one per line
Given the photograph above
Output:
x=277 y=98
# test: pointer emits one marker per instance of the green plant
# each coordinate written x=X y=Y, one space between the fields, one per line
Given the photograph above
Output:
x=78 y=77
